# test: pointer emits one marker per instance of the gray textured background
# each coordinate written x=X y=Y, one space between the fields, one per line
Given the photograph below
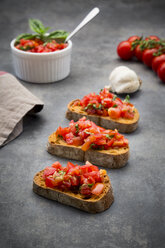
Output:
x=137 y=217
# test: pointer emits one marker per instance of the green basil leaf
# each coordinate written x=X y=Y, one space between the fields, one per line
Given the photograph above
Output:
x=92 y=145
x=100 y=106
x=77 y=128
x=24 y=36
x=88 y=132
x=58 y=35
x=114 y=98
x=127 y=99
x=94 y=106
x=37 y=26
x=109 y=136
x=90 y=184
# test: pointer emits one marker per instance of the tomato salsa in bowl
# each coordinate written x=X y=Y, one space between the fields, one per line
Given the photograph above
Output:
x=38 y=46
x=41 y=57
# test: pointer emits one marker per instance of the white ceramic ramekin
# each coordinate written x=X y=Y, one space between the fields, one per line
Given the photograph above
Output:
x=41 y=67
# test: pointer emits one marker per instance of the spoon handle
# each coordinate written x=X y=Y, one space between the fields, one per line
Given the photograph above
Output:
x=89 y=17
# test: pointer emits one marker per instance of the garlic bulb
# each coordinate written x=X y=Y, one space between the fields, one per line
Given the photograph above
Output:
x=124 y=80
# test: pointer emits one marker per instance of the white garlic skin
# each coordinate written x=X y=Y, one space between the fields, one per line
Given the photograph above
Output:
x=123 y=80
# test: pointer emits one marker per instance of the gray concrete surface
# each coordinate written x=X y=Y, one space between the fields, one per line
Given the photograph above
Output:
x=137 y=217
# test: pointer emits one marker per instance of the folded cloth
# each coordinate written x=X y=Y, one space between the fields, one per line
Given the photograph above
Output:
x=15 y=102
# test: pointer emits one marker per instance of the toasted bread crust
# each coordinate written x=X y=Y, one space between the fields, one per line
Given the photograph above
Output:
x=112 y=158
x=121 y=124
x=95 y=204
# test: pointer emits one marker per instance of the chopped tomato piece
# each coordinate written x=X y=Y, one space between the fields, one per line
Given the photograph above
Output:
x=74 y=171
x=57 y=165
x=70 y=165
x=74 y=181
x=88 y=142
x=77 y=141
x=49 y=181
x=94 y=174
x=85 y=190
x=49 y=171
x=97 y=189
x=86 y=179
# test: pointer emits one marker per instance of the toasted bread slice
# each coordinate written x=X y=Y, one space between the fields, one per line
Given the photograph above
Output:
x=112 y=158
x=122 y=125
x=95 y=204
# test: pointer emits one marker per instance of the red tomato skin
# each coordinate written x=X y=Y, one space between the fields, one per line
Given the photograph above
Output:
x=85 y=190
x=74 y=181
x=49 y=171
x=138 y=53
x=57 y=165
x=114 y=113
x=70 y=165
x=161 y=71
x=124 y=50
x=49 y=181
x=157 y=61
x=77 y=141
x=152 y=37
x=148 y=56
x=133 y=38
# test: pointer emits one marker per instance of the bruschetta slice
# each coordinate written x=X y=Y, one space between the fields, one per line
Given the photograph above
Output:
x=106 y=110
x=85 y=141
x=83 y=187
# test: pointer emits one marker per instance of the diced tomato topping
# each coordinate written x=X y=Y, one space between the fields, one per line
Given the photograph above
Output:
x=104 y=104
x=88 y=135
x=38 y=46
x=82 y=179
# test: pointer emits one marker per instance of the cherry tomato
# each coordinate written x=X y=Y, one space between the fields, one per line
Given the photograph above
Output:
x=148 y=56
x=152 y=37
x=138 y=53
x=157 y=61
x=133 y=38
x=161 y=71
x=124 y=50
x=97 y=189
x=114 y=113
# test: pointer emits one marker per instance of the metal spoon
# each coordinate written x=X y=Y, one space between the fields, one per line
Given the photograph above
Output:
x=89 y=17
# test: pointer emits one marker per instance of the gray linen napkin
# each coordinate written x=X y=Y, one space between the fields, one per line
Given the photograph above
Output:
x=15 y=102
